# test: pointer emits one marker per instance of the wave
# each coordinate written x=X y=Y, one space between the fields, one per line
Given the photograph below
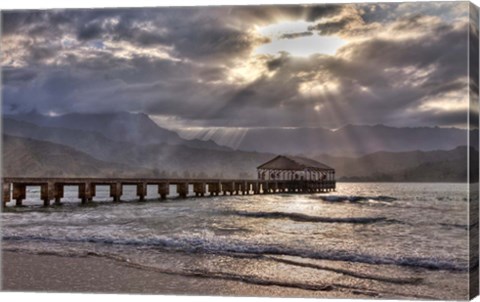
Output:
x=257 y=280
x=307 y=218
x=455 y=225
x=218 y=245
x=229 y=230
x=248 y=278
x=356 y=274
x=356 y=199
x=349 y=272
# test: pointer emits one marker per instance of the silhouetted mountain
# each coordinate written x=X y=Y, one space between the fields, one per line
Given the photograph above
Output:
x=90 y=142
x=164 y=159
x=27 y=157
x=439 y=166
x=135 y=128
x=161 y=160
x=353 y=140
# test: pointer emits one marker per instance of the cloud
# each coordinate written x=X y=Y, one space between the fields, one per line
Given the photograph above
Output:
x=11 y=76
x=200 y=65
x=90 y=31
x=315 y=12
x=296 y=35
x=331 y=27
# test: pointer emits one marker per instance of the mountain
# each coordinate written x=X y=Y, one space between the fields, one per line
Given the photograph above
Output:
x=437 y=165
x=24 y=157
x=353 y=140
x=89 y=142
x=164 y=159
x=135 y=128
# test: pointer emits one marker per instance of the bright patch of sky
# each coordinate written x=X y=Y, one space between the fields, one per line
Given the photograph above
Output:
x=68 y=42
x=302 y=46
x=98 y=44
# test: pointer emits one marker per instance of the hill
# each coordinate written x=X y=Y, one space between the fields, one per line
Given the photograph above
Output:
x=107 y=156
x=136 y=128
x=163 y=159
x=353 y=140
x=435 y=166
x=24 y=157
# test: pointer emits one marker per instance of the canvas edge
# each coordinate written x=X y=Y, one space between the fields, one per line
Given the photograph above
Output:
x=473 y=143
x=1 y=147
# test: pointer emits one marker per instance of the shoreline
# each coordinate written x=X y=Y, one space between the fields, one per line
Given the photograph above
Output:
x=25 y=272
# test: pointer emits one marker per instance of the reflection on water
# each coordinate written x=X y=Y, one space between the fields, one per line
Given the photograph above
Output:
x=393 y=240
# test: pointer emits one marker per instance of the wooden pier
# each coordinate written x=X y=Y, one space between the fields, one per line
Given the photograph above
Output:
x=51 y=189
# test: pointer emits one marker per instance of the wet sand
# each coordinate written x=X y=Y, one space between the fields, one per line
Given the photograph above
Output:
x=51 y=273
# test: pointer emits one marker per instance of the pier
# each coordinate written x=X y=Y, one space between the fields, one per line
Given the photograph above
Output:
x=14 y=189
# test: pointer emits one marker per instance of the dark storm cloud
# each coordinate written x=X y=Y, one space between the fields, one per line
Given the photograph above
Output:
x=212 y=74
x=277 y=62
x=316 y=12
x=330 y=28
x=446 y=52
x=435 y=89
x=474 y=51
x=214 y=42
x=34 y=22
x=18 y=76
x=90 y=31
x=194 y=33
x=452 y=118
x=13 y=22
x=41 y=53
x=296 y=35
x=184 y=62
x=270 y=14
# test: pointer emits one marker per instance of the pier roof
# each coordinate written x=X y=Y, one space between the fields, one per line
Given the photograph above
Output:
x=282 y=162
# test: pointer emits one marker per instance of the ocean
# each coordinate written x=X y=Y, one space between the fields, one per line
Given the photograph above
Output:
x=384 y=240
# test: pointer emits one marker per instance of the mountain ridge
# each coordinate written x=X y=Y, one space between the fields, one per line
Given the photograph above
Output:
x=25 y=157
x=349 y=140
x=135 y=128
x=164 y=159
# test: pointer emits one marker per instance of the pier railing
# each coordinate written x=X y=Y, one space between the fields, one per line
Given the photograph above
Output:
x=51 y=189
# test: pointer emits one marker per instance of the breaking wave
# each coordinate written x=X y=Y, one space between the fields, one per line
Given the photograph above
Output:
x=220 y=246
x=257 y=280
x=307 y=218
x=355 y=199
x=455 y=225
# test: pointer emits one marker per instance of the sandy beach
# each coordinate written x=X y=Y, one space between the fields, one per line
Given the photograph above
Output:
x=51 y=273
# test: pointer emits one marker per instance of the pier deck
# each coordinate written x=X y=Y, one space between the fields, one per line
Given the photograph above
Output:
x=51 y=189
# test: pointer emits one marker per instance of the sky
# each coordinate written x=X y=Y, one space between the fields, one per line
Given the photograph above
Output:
x=398 y=64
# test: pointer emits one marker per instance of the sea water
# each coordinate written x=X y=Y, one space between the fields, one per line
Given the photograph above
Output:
x=395 y=240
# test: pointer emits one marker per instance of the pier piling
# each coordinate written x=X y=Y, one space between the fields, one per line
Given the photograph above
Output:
x=163 y=190
x=86 y=191
x=14 y=188
x=6 y=193
x=228 y=187
x=47 y=192
x=58 y=193
x=116 y=191
x=182 y=189
x=199 y=189
x=214 y=188
x=19 y=193
x=255 y=188
x=141 y=191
